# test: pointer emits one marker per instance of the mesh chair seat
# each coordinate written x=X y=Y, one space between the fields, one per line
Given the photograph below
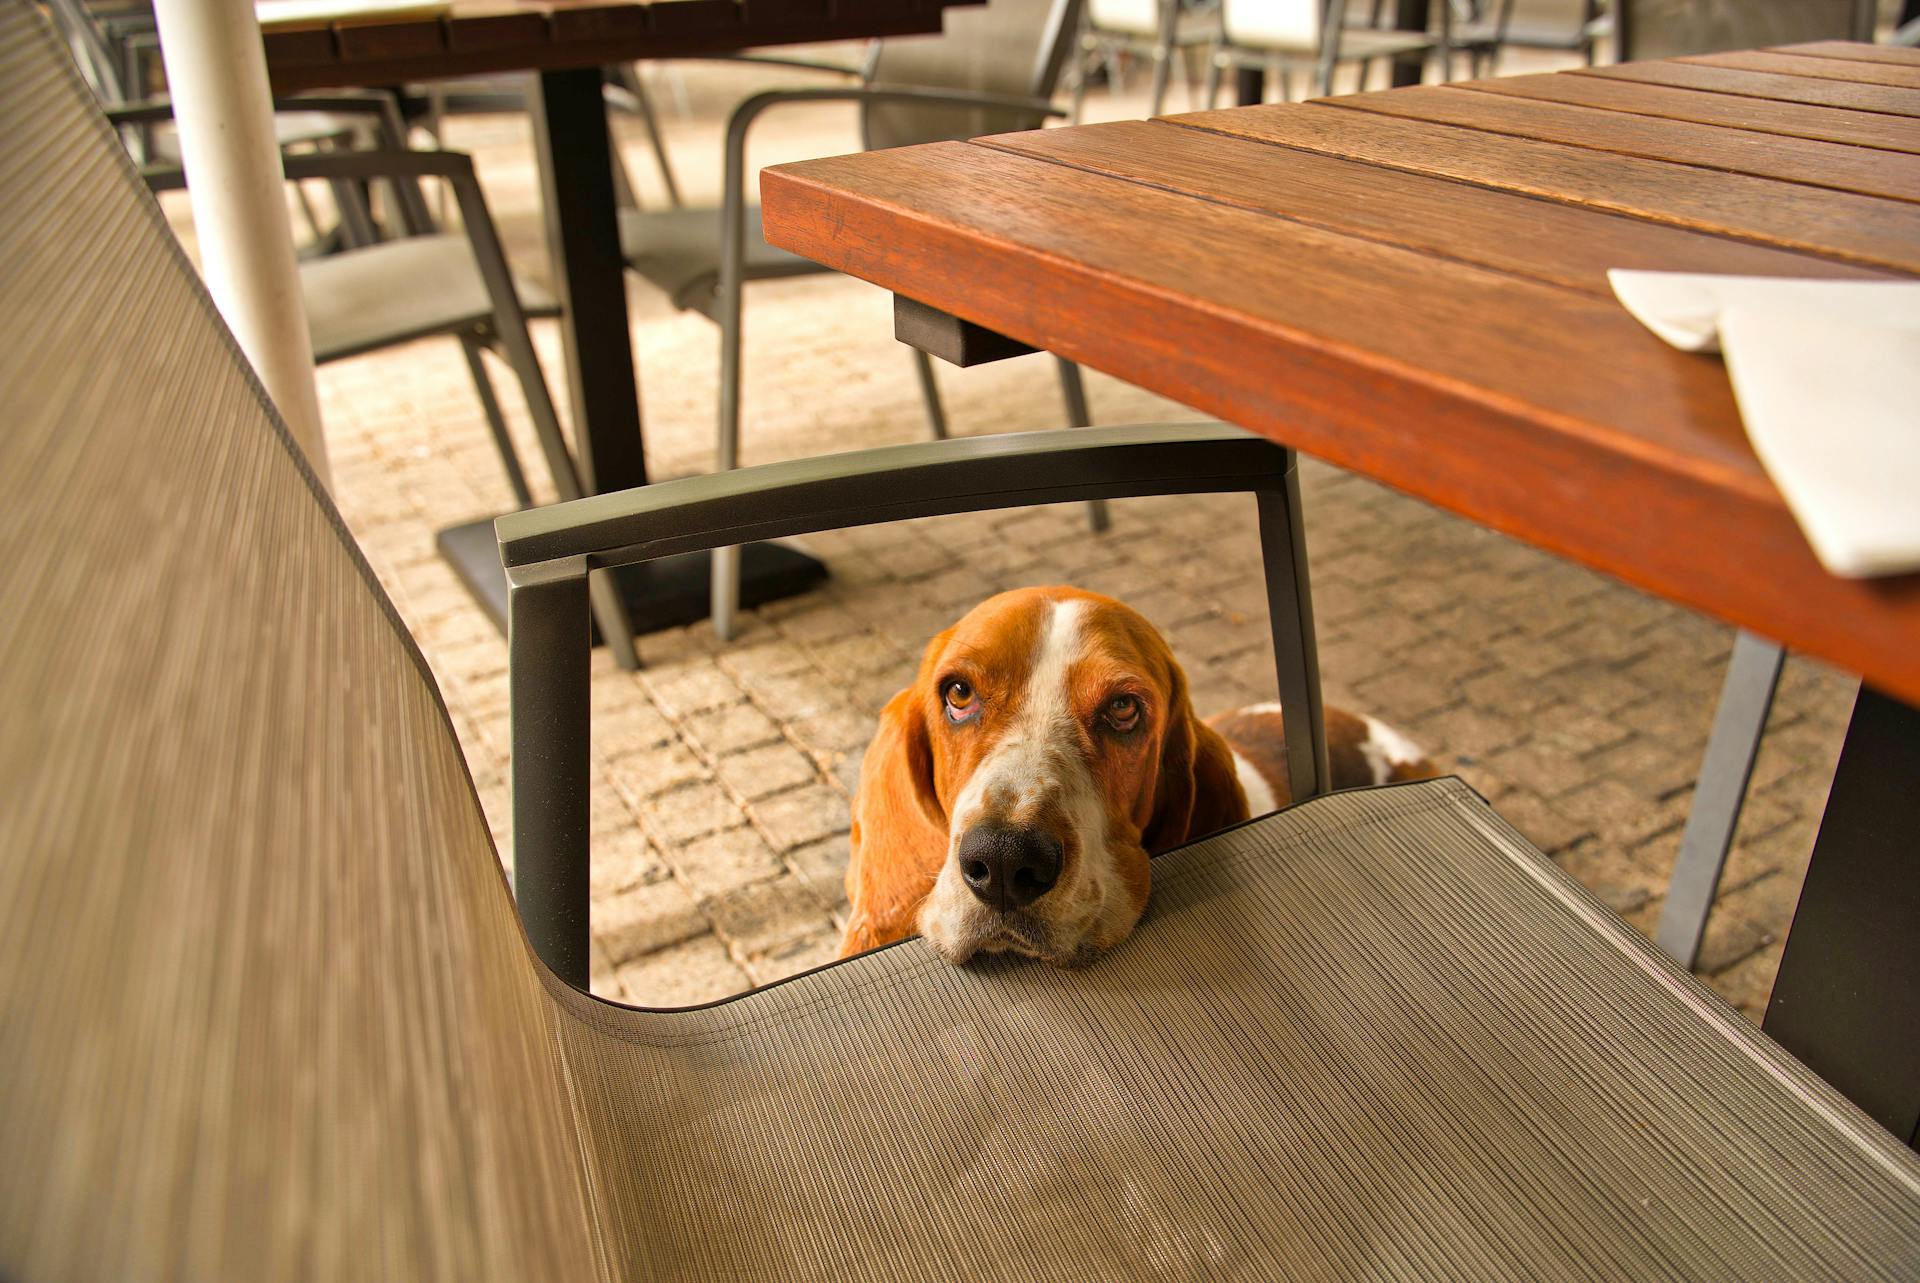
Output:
x=678 y=251
x=379 y=295
x=1377 y=1034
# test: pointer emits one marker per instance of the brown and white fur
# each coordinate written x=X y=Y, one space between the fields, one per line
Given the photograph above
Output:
x=1014 y=793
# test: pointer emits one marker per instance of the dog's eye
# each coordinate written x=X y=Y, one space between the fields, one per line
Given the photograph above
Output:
x=961 y=698
x=1122 y=712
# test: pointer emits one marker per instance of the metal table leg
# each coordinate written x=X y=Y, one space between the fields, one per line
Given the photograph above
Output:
x=1847 y=1000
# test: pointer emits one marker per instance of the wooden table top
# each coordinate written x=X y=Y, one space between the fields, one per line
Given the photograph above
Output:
x=485 y=37
x=1411 y=284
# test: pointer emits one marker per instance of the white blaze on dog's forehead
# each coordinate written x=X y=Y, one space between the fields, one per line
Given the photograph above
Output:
x=1260 y=799
x=1048 y=698
x=1386 y=748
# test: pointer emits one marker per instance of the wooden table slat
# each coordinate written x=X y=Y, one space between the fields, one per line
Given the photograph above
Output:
x=1784 y=119
x=480 y=37
x=1791 y=64
x=1532 y=409
x=1764 y=85
x=1738 y=151
x=1565 y=245
x=1865 y=229
x=1852 y=51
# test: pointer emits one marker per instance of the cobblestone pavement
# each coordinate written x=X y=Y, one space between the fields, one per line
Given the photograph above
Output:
x=722 y=773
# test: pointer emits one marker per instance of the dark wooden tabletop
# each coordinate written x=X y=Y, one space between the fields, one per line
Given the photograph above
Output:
x=483 y=37
x=1412 y=285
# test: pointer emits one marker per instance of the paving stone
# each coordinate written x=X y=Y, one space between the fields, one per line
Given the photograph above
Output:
x=726 y=861
x=1616 y=880
x=694 y=971
x=622 y=858
x=677 y=818
x=761 y=772
x=651 y=772
x=692 y=688
x=720 y=731
x=766 y=917
x=646 y=918
x=822 y=867
x=803 y=815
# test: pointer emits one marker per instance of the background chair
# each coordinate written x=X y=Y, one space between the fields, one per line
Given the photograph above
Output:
x=994 y=71
x=266 y=1012
x=380 y=294
x=1675 y=28
x=1313 y=34
x=1166 y=31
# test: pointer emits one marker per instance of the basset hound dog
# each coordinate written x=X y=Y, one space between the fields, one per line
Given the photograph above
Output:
x=1046 y=749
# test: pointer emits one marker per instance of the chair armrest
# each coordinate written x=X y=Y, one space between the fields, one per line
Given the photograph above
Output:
x=548 y=553
x=893 y=483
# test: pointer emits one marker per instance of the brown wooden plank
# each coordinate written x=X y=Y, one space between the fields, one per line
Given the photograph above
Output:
x=1852 y=51
x=1738 y=151
x=1788 y=64
x=1787 y=119
x=1758 y=84
x=1866 y=229
x=482 y=37
x=377 y=41
x=1544 y=241
x=1534 y=410
x=301 y=47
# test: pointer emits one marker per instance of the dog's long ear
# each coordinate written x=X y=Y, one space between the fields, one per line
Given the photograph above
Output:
x=899 y=838
x=1198 y=790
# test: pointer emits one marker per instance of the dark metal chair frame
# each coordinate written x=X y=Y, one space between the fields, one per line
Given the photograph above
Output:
x=550 y=553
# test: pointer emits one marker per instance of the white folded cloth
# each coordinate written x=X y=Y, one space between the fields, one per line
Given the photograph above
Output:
x=1827 y=377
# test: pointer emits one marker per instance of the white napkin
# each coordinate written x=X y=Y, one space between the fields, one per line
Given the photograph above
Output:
x=1827 y=377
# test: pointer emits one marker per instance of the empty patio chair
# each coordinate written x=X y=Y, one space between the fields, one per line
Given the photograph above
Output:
x=994 y=71
x=266 y=1011
x=1165 y=30
x=1312 y=34
x=427 y=283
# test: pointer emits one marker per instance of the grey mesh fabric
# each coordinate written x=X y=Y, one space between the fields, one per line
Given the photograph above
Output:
x=1004 y=47
x=678 y=251
x=266 y=1013
x=397 y=290
x=1676 y=28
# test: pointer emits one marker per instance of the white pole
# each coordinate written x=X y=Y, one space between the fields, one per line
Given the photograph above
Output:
x=217 y=76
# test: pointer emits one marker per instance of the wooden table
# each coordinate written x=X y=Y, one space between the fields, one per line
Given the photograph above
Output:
x=568 y=42
x=1411 y=284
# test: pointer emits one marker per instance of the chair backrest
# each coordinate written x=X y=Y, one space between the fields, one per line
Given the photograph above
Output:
x=1281 y=23
x=1013 y=47
x=1676 y=28
x=265 y=1008
x=1126 y=17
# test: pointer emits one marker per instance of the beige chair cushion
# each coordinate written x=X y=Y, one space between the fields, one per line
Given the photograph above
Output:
x=678 y=250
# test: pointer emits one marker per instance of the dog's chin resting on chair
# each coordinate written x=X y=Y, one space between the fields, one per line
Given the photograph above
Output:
x=1014 y=793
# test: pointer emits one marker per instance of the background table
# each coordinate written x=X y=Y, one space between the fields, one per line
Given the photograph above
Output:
x=568 y=42
x=1411 y=284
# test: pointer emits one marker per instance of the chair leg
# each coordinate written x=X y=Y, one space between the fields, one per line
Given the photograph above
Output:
x=1746 y=697
x=930 y=395
x=470 y=347
x=1211 y=90
x=1077 y=107
x=1283 y=549
x=1074 y=390
x=650 y=121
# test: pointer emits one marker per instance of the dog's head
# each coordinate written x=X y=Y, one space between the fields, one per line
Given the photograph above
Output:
x=1049 y=736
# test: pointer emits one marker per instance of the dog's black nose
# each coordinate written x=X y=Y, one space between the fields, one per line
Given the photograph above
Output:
x=1008 y=867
